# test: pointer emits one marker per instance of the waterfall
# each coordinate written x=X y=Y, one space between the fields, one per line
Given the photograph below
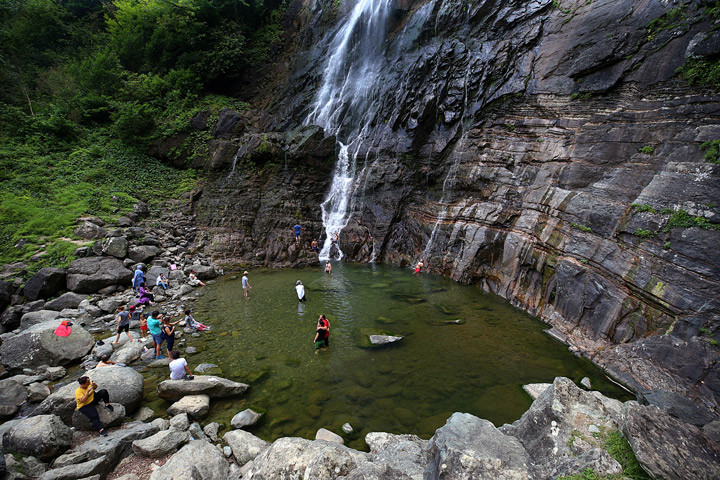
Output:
x=234 y=162
x=346 y=103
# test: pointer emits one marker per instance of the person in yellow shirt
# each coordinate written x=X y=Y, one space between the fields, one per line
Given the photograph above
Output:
x=86 y=397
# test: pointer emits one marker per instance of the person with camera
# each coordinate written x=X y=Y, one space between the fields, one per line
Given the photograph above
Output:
x=86 y=397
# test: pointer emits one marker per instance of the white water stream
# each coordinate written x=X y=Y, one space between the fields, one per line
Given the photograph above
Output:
x=346 y=103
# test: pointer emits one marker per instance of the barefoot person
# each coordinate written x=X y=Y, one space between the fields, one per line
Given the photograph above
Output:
x=123 y=324
x=419 y=266
x=193 y=280
x=297 y=228
x=246 y=284
x=328 y=266
x=86 y=397
x=167 y=332
x=314 y=245
x=300 y=289
x=155 y=329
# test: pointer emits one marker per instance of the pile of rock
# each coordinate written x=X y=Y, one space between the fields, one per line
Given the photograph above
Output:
x=564 y=432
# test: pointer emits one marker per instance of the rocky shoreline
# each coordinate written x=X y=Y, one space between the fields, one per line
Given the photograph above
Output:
x=563 y=433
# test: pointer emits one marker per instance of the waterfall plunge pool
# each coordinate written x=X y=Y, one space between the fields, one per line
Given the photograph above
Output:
x=463 y=351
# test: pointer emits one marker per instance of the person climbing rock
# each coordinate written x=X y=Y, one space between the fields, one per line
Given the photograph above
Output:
x=297 y=228
x=138 y=277
x=86 y=397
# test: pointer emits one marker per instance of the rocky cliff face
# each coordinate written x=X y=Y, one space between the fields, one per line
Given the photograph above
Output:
x=547 y=151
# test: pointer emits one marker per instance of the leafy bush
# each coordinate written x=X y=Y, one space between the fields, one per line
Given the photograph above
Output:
x=682 y=219
x=647 y=149
x=712 y=150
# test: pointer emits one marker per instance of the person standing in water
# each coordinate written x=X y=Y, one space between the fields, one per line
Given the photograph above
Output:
x=300 y=289
x=419 y=266
x=328 y=266
x=246 y=284
x=322 y=333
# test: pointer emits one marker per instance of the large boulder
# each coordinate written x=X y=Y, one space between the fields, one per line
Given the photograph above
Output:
x=6 y=293
x=107 y=417
x=470 y=447
x=154 y=272
x=557 y=417
x=396 y=455
x=203 y=272
x=161 y=444
x=667 y=447
x=38 y=316
x=38 y=345
x=143 y=253
x=90 y=274
x=210 y=385
x=128 y=353
x=198 y=460
x=12 y=395
x=42 y=436
x=245 y=446
x=45 y=283
x=66 y=300
x=291 y=457
x=196 y=406
x=116 y=247
x=227 y=124
x=89 y=230
x=124 y=385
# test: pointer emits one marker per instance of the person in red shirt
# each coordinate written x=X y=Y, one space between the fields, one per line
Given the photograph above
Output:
x=322 y=333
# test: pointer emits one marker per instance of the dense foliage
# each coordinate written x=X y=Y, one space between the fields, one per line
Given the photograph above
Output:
x=88 y=85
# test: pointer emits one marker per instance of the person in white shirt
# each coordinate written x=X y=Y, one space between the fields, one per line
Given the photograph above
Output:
x=179 y=369
x=300 y=289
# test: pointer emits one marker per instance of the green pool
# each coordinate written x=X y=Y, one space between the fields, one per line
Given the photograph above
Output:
x=463 y=350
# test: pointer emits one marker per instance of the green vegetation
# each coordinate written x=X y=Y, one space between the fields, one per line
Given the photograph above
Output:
x=669 y=20
x=643 y=207
x=700 y=71
x=682 y=219
x=666 y=246
x=581 y=96
x=647 y=149
x=712 y=151
x=89 y=86
x=580 y=227
x=644 y=233
x=620 y=450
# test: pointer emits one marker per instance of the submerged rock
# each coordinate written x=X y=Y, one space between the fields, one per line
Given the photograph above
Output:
x=246 y=418
x=383 y=339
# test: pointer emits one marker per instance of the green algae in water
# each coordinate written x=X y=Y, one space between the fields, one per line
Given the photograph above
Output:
x=477 y=364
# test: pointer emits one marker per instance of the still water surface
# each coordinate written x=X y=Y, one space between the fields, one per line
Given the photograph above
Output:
x=463 y=351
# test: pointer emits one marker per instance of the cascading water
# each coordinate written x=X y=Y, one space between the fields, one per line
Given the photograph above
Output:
x=346 y=103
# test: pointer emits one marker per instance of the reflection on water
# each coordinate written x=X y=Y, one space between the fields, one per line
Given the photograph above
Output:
x=463 y=350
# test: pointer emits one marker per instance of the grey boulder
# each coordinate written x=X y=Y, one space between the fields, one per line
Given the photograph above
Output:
x=198 y=460
x=89 y=231
x=108 y=418
x=209 y=385
x=38 y=316
x=310 y=459
x=667 y=447
x=124 y=385
x=196 y=406
x=143 y=253
x=116 y=247
x=12 y=395
x=90 y=274
x=161 y=444
x=45 y=283
x=38 y=345
x=42 y=436
x=245 y=446
x=470 y=447
x=246 y=418
x=66 y=300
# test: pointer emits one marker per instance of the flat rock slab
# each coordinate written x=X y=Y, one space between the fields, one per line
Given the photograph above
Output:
x=536 y=389
x=161 y=444
x=196 y=406
x=384 y=339
x=212 y=386
x=328 y=436
x=246 y=418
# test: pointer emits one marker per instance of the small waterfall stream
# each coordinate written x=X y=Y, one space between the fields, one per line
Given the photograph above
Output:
x=346 y=103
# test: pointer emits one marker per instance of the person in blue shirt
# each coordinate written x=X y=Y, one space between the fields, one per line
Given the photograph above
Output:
x=138 y=278
x=297 y=229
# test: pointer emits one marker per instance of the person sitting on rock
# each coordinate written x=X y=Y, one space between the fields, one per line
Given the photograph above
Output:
x=191 y=324
x=162 y=282
x=145 y=296
x=193 y=280
x=104 y=362
x=179 y=369
x=86 y=397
